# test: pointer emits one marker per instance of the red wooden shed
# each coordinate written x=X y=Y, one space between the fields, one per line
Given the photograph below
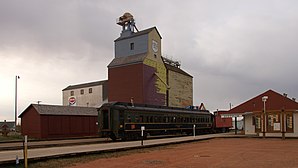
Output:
x=52 y=121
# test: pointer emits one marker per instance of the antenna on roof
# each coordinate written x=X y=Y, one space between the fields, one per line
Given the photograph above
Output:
x=38 y=101
x=171 y=62
x=127 y=22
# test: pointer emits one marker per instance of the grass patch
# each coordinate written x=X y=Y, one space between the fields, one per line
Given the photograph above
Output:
x=11 y=137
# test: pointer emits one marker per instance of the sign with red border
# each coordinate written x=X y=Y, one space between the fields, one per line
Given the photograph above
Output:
x=72 y=101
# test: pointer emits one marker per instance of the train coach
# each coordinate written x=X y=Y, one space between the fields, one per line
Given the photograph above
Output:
x=123 y=121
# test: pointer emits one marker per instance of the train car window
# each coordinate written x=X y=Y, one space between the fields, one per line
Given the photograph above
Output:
x=141 y=118
x=156 y=119
x=159 y=119
x=137 y=119
x=174 y=119
x=128 y=118
x=151 y=119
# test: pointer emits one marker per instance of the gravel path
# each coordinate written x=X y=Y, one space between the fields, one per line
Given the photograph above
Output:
x=215 y=153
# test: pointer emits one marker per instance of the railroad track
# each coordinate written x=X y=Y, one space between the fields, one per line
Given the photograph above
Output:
x=16 y=145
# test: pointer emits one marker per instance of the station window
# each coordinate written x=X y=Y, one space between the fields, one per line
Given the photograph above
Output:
x=82 y=91
x=71 y=93
x=273 y=122
x=257 y=123
x=90 y=90
x=253 y=120
x=289 y=122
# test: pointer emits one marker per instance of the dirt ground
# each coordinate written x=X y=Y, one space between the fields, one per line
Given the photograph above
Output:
x=214 y=153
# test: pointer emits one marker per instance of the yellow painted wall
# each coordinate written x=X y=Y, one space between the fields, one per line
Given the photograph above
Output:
x=153 y=59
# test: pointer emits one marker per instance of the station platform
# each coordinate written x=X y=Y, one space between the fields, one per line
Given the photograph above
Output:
x=9 y=156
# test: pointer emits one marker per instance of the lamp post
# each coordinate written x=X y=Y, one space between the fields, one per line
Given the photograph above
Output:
x=264 y=99
x=16 y=104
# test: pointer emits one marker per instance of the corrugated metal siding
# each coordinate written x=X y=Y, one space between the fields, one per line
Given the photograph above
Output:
x=31 y=123
x=71 y=126
x=57 y=126
x=181 y=91
x=126 y=82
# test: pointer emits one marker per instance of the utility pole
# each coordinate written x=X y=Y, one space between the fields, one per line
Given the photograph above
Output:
x=16 y=103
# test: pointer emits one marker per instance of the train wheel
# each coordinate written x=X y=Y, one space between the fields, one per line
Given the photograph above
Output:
x=113 y=137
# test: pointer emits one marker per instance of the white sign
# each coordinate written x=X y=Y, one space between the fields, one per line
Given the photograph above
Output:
x=230 y=115
x=72 y=101
x=142 y=128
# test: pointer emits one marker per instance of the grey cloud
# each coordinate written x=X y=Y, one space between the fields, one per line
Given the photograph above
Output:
x=234 y=49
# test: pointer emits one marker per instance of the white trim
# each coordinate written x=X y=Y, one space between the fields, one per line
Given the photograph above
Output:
x=247 y=113
x=229 y=115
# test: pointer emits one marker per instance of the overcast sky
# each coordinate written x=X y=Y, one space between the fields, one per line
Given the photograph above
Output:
x=234 y=49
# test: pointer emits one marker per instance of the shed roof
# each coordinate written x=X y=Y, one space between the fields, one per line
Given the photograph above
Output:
x=275 y=101
x=62 y=110
x=176 y=69
x=84 y=85
x=127 y=60
x=139 y=33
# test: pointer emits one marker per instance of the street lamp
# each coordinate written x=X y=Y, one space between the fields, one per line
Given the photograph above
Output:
x=264 y=99
x=16 y=104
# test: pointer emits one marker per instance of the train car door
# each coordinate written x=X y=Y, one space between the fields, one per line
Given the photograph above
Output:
x=104 y=122
x=105 y=119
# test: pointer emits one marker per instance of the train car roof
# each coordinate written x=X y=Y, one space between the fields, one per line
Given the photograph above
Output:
x=146 y=107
